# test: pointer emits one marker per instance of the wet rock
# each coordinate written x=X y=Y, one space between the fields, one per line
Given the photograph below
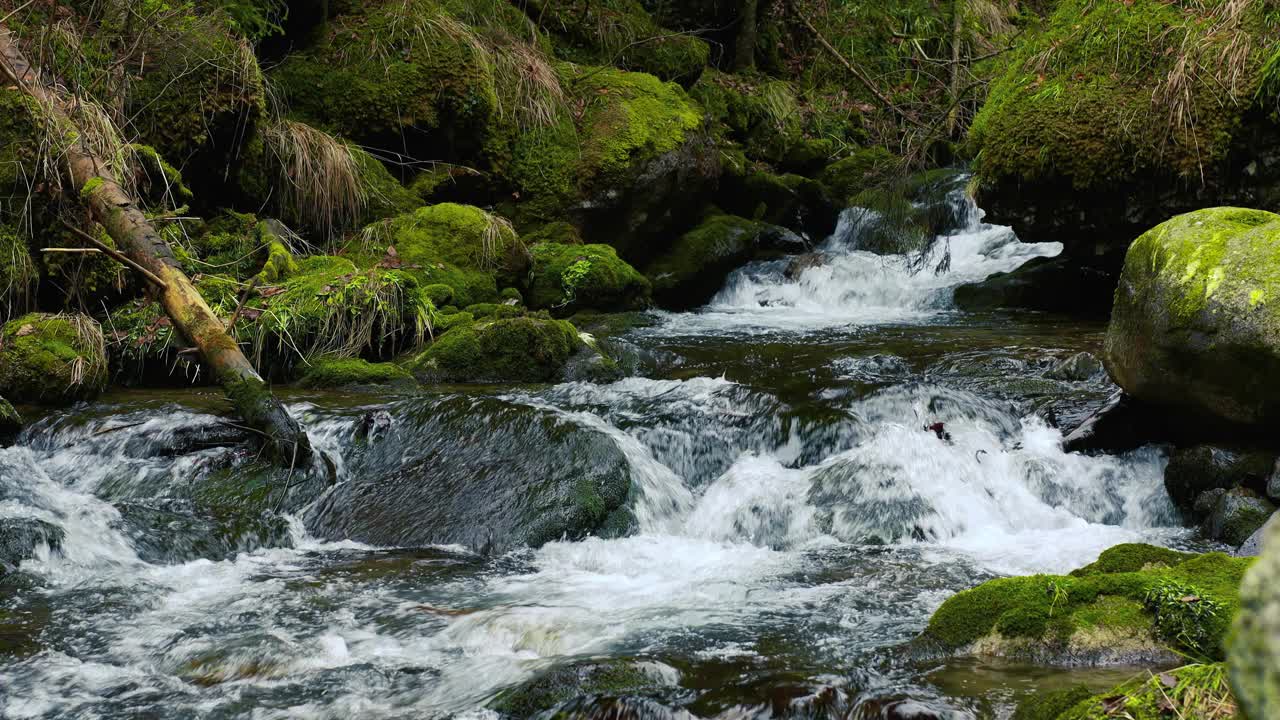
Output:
x=798 y=264
x=1253 y=546
x=480 y=472
x=1119 y=426
x=790 y=201
x=697 y=263
x=1196 y=322
x=1273 y=482
x=593 y=684
x=1079 y=367
x=1194 y=470
x=1254 y=649
x=522 y=349
x=567 y=278
x=1047 y=284
x=175 y=531
x=20 y=537
x=1236 y=515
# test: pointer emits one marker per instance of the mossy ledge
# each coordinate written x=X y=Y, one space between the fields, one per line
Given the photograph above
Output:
x=1114 y=611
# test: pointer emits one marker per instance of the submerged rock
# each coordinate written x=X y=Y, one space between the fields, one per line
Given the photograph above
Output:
x=480 y=472
x=1196 y=324
x=584 y=681
x=1126 y=608
x=52 y=359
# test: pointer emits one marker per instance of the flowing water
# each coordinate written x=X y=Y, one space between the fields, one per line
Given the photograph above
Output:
x=795 y=522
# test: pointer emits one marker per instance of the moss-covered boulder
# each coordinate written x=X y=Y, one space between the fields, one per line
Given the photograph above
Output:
x=1197 y=690
x=1109 y=117
x=690 y=272
x=622 y=33
x=329 y=372
x=792 y=201
x=471 y=251
x=632 y=164
x=1136 y=604
x=1196 y=324
x=1235 y=515
x=1254 y=647
x=568 y=278
x=523 y=349
x=52 y=359
x=559 y=684
x=861 y=170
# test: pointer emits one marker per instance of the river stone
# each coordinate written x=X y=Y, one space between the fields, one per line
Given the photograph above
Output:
x=1079 y=367
x=1236 y=515
x=484 y=473
x=1194 y=470
x=1196 y=323
x=1253 y=651
x=10 y=422
x=583 y=680
x=1046 y=284
x=19 y=538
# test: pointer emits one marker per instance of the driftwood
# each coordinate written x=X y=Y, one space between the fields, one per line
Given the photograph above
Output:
x=147 y=252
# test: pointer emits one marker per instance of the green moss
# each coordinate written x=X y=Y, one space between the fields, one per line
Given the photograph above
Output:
x=570 y=277
x=162 y=184
x=338 y=372
x=439 y=294
x=625 y=120
x=865 y=168
x=1114 y=607
x=561 y=233
x=10 y=420
x=1191 y=691
x=460 y=246
x=52 y=359
x=525 y=349
x=1132 y=557
x=91 y=187
x=621 y=32
x=698 y=261
x=1076 y=98
x=1048 y=706
x=484 y=311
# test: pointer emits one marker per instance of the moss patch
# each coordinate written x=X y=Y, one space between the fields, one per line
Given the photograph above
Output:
x=339 y=372
x=52 y=359
x=525 y=349
x=1191 y=691
x=571 y=277
x=1094 y=610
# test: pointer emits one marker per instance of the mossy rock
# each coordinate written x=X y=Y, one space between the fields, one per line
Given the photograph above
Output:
x=560 y=233
x=631 y=165
x=487 y=311
x=1096 y=616
x=863 y=169
x=690 y=272
x=524 y=349
x=567 y=278
x=1254 y=647
x=1190 y=691
x=792 y=201
x=52 y=359
x=340 y=372
x=622 y=32
x=471 y=251
x=1236 y=515
x=1196 y=323
x=559 y=684
x=396 y=72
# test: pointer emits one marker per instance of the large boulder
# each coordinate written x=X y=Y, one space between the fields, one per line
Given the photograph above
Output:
x=1196 y=323
x=1199 y=468
x=1161 y=124
x=568 y=278
x=1254 y=649
x=1056 y=284
x=1125 y=608
x=479 y=472
x=518 y=349
x=52 y=359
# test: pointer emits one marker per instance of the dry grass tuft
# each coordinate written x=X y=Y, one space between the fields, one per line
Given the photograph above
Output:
x=524 y=73
x=321 y=182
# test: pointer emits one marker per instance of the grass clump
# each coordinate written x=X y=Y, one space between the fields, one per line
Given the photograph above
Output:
x=54 y=359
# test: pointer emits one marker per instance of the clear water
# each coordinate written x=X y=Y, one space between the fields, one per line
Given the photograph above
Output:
x=797 y=522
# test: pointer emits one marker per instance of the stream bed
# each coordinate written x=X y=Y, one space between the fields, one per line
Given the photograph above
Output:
x=796 y=514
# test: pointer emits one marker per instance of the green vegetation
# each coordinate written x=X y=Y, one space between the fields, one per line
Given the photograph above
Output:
x=325 y=372
x=1188 y=605
x=54 y=359
x=570 y=277
x=1192 y=691
x=523 y=349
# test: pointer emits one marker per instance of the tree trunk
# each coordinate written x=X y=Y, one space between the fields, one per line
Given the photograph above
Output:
x=186 y=308
x=744 y=46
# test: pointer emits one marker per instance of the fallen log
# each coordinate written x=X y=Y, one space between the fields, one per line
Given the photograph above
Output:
x=137 y=238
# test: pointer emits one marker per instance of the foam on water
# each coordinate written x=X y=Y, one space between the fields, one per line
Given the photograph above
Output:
x=856 y=287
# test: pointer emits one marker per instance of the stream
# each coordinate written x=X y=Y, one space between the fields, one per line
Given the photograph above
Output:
x=795 y=522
